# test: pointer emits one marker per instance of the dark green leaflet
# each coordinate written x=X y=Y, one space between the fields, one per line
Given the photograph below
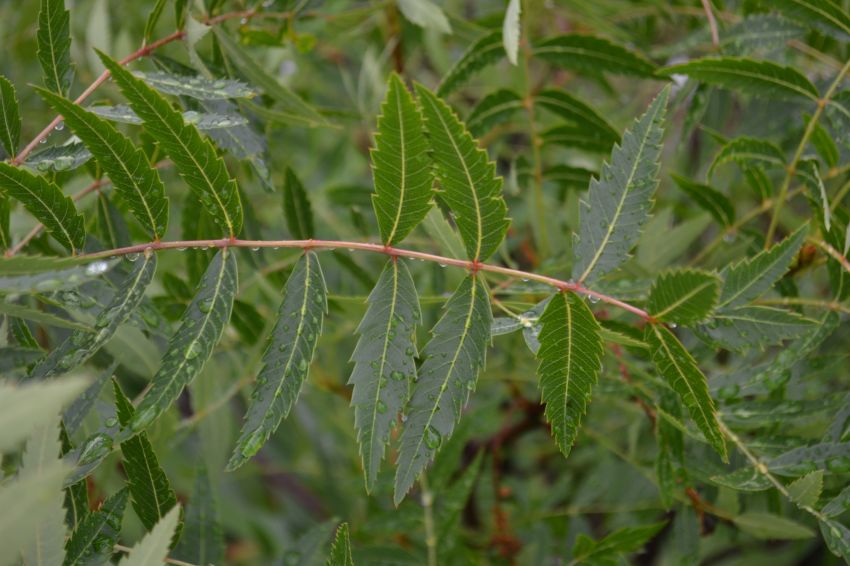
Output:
x=193 y=155
x=81 y=345
x=287 y=357
x=384 y=362
x=683 y=296
x=193 y=343
x=453 y=358
x=152 y=494
x=10 y=118
x=570 y=108
x=202 y=541
x=709 y=199
x=45 y=201
x=482 y=53
x=74 y=415
x=592 y=55
x=54 y=45
x=93 y=540
x=296 y=207
x=126 y=165
x=341 y=548
x=495 y=108
x=76 y=495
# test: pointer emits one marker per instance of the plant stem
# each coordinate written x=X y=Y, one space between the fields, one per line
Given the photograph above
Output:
x=835 y=254
x=792 y=167
x=428 y=519
x=473 y=266
x=712 y=22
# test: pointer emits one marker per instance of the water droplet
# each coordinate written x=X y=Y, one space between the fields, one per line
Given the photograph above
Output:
x=381 y=407
x=432 y=438
x=302 y=365
x=194 y=351
x=111 y=422
x=43 y=140
x=409 y=351
x=132 y=257
x=60 y=126
x=397 y=375
x=673 y=325
x=255 y=249
x=593 y=299
x=243 y=21
x=96 y=447
x=205 y=306
x=96 y=268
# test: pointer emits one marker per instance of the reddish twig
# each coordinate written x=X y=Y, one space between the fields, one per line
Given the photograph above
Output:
x=712 y=22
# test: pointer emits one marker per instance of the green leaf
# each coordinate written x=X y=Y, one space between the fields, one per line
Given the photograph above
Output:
x=799 y=350
x=759 y=78
x=94 y=538
x=54 y=46
x=152 y=494
x=24 y=408
x=622 y=541
x=45 y=201
x=570 y=108
x=341 y=548
x=198 y=87
x=41 y=274
x=453 y=358
x=202 y=541
x=287 y=357
x=831 y=457
x=683 y=296
x=589 y=54
x=838 y=113
x=425 y=14
x=759 y=32
x=153 y=549
x=747 y=152
x=570 y=358
x=10 y=118
x=809 y=171
x=511 y=30
x=769 y=526
x=82 y=344
x=153 y=18
x=838 y=504
x=741 y=328
x=193 y=343
x=749 y=278
x=297 y=110
x=41 y=317
x=77 y=411
x=243 y=142
x=679 y=368
x=67 y=157
x=296 y=208
x=618 y=203
x=484 y=52
x=744 y=479
x=579 y=137
x=824 y=15
x=204 y=121
x=806 y=490
x=837 y=538
x=5 y=217
x=709 y=199
x=468 y=180
x=404 y=180
x=194 y=157
x=127 y=166
x=384 y=363
x=495 y=108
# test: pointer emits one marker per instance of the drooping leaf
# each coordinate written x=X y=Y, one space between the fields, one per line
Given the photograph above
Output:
x=197 y=87
x=824 y=15
x=202 y=541
x=622 y=541
x=511 y=30
x=679 y=368
x=590 y=54
x=749 y=278
x=468 y=180
x=204 y=121
x=484 y=52
x=838 y=504
x=709 y=199
x=93 y=540
x=296 y=207
x=10 y=118
x=570 y=108
x=286 y=359
x=741 y=328
x=54 y=46
x=192 y=344
x=400 y=166
x=45 y=201
x=193 y=156
x=495 y=108
x=384 y=363
x=453 y=357
x=81 y=344
x=769 y=526
x=570 y=358
x=748 y=152
x=66 y=157
x=153 y=549
x=759 y=78
x=25 y=274
x=152 y=495
x=805 y=491
x=425 y=14
x=683 y=296
x=299 y=111
x=618 y=202
x=341 y=548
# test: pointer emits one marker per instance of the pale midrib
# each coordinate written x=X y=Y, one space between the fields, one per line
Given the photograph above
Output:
x=54 y=67
x=626 y=190
x=7 y=123
x=682 y=377
x=403 y=168
x=567 y=378
x=675 y=304
x=825 y=14
x=747 y=286
x=769 y=79
x=128 y=296
x=49 y=211
x=149 y=476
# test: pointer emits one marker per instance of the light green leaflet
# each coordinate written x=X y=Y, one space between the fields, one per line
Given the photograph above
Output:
x=193 y=343
x=400 y=166
x=511 y=30
x=453 y=358
x=287 y=357
x=759 y=78
x=749 y=278
x=45 y=201
x=425 y=14
x=678 y=367
x=10 y=118
x=94 y=538
x=570 y=358
x=683 y=296
x=81 y=344
x=153 y=549
x=468 y=180
x=618 y=202
x=384 y=362
x=24 y=408
x=54 y=45
x=194 y=156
